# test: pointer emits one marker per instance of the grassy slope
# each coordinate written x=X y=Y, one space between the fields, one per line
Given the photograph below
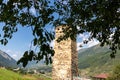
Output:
x=97 y=60
x=10 y=75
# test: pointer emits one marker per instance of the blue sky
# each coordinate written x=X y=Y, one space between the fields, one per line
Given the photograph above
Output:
x=22 y=39
x=20 y=42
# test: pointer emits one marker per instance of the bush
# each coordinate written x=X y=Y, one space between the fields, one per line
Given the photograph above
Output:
x=115 y=74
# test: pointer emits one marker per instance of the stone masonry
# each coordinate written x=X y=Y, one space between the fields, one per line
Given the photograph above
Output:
x=65 y=60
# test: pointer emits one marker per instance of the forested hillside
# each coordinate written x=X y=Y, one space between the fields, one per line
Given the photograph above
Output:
x=97 y=59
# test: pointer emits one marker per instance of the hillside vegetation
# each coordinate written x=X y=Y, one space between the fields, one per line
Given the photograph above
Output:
x=10 y=75
x=93 y=60
x=97 y=59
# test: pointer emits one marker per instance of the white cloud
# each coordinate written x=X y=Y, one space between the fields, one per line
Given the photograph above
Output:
x=89 y=44
x=14 y=54
x=32 y=11
x=92 y=43
x=111 y=36
x=82 y=37
x=52 y=43
x=78 y=45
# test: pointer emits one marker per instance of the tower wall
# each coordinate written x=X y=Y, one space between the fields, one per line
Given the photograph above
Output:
x=65 y=60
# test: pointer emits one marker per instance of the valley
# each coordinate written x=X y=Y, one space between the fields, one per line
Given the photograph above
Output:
x=96 y=60
x=6 y=74
x=91 y=61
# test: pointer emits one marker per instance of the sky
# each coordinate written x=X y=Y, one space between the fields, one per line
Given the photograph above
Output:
x=19 y=43
x=21 y=40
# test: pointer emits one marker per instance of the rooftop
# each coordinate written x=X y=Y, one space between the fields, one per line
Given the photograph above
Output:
x=102 y=76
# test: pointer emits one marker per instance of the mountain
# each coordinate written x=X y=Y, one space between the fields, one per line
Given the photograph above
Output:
x=91 y=61
x=7 y=61
x=97 y=59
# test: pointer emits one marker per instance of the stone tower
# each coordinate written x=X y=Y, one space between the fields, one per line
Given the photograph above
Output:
x=65 y=60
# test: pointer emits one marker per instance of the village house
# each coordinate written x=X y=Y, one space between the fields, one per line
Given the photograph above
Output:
x=100 y=77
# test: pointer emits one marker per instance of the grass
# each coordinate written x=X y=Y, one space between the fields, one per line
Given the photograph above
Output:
x=10 y=75
x=42 y=77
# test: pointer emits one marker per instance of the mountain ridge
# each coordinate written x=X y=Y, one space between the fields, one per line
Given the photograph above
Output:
x=7 y=61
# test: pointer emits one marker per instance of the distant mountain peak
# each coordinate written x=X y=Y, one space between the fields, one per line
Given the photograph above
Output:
x=6 y=60
x=5 y=55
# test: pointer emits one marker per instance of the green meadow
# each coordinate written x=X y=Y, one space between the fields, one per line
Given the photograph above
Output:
x=10 y=75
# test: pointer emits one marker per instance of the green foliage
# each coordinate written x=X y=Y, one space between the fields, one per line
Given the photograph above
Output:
x=115 y=74
x=100 y=18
